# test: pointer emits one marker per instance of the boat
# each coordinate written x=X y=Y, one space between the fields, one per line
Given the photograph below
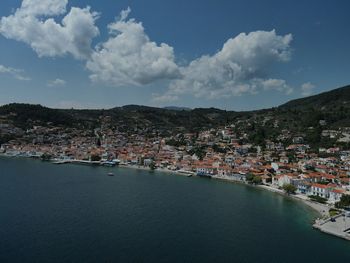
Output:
x=186 y=173
x=110 y=174
x=110 y=163
x=204 y=175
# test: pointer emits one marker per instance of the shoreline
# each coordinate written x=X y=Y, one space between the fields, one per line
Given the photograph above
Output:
x=321 y=209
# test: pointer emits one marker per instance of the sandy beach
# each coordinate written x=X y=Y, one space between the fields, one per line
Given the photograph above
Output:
x=321 y=209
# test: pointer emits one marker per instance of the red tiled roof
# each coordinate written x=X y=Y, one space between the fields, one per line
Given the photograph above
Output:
x=320 y=186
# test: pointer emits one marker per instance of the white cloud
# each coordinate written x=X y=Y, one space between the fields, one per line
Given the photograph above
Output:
x=56 y=83
x=129 y=57
x=161 y=98
x=33 y=24
x=307 y=89
x=44 y=7
x=276 y=84
x=16 y=73
x=240 y=67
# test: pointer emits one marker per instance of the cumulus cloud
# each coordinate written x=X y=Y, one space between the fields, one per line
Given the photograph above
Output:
x=16 y=73
x=162 y=98
x=276 y=84
x=33 y=24
x=129 y=57
x=56 y=83
x=307 y=89
x=241 y=66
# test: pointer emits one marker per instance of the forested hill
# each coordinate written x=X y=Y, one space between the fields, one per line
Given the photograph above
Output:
x=333 y=99
x=332 y=108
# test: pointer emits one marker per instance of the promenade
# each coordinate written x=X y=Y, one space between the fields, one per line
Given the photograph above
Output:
x=340 y=226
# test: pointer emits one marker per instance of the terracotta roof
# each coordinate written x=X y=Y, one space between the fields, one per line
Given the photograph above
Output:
x=320 y=186
x=338 y=191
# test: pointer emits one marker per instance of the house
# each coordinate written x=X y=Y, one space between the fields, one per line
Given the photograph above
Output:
x=266 y=179
x=206 y=170
x=224 y=171
x=284 y=159
x=314 y=177
x=280 y=180
x=335 y=195
x=320 y=190
x=303 y=187
x=147 y=162
x=298 y=140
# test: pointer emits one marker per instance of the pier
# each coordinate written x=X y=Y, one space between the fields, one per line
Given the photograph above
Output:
x=338 y=226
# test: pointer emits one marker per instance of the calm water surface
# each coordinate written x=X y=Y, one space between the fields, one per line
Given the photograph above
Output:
x=68 y=213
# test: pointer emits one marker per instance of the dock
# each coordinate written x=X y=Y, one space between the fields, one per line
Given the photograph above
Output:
x=339 y=227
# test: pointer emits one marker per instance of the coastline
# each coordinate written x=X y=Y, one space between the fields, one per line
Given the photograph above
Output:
x=321 y=209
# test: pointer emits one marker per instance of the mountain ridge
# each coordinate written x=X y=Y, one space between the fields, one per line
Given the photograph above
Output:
x=342 y=93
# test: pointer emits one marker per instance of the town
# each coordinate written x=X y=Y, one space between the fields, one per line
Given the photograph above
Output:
x=223 y=153
x=268 y=150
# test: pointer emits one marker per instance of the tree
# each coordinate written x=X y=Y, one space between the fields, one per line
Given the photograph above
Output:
x=257 y=180
x=318 y=199
x=289 y=188
x=46 y=157
x=198 y=151
x=253 y=179
x=95 y=158
x=152 y=166
x=344 y=202
x=249 y=177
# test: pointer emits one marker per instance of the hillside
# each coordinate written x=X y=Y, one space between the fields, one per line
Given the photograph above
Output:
x=124 y=118
x=323 y=101
x=305 y=117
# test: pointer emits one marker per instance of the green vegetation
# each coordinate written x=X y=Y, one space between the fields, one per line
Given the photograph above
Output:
x=199 y=152
x=251 y=178
x=289 y=189
x=299 y=117
x=257 y=180
x=4 y=138
x=26 y=114
x=46 y=157
x=333 y=212
x=95 y=158
x=344 y=202
x=152 y=166
x=218 y=149
x=318 y=199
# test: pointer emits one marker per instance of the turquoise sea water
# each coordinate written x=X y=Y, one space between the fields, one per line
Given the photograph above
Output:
x=71 y=213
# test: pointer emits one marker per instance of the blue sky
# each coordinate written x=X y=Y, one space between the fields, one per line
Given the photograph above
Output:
x=235 y=55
